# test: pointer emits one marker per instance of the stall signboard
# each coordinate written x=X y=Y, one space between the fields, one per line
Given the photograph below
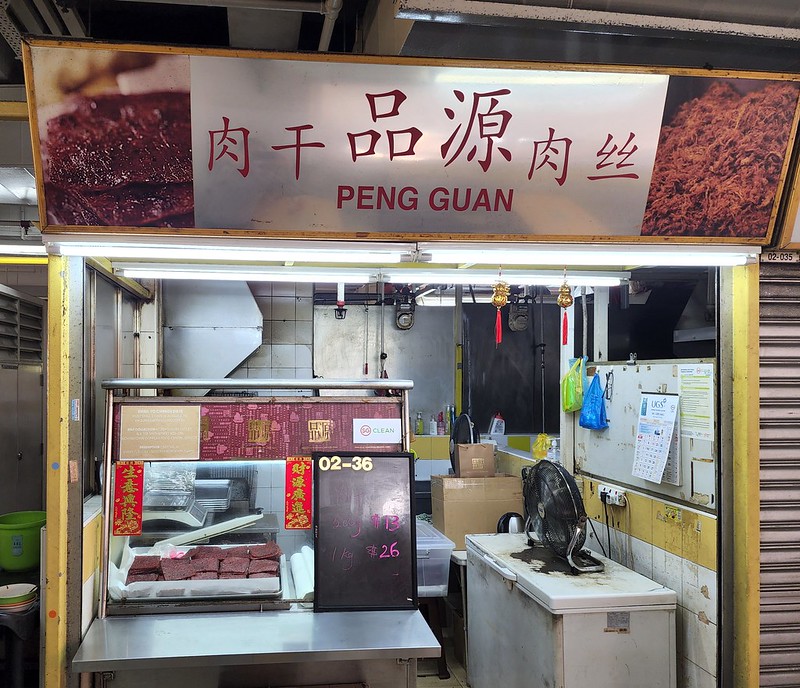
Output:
x=364 y=531
x=266 y=144
x=224 y=429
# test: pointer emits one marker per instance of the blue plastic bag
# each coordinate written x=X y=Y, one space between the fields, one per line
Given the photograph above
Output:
x=593 y=411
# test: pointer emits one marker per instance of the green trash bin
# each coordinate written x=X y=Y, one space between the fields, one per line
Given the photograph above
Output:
x=19 y=540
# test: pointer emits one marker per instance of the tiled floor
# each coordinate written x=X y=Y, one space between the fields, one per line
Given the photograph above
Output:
x=427 y=676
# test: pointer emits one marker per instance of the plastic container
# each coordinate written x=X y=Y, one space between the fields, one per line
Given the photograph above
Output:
x=19 y=540
x=433 y=561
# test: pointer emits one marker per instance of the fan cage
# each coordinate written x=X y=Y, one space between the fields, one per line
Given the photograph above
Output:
x=555 y=507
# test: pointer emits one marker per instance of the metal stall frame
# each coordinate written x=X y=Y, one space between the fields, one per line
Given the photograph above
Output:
x=126 y=385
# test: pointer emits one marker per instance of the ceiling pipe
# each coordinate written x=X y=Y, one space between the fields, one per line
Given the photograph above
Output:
x=332 y=9
x=329 y=8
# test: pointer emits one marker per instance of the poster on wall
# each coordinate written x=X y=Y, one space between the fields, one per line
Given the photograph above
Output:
x=288 y=145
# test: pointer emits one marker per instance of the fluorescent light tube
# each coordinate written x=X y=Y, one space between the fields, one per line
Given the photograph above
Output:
x=31 y=249
x=244 y=273
x=579 y=255
x=518 y=277
x=239 y=251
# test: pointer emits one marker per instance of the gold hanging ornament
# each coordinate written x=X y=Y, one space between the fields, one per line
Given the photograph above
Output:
x=565 y=300
x=500 y=292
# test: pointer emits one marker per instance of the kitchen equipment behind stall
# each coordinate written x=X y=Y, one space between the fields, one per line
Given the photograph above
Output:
x=533 y=623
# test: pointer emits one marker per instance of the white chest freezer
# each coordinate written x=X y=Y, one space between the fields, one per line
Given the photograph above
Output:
x=532 y=623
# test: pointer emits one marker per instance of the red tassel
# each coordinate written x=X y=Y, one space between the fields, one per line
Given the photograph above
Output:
x=498 y=329
x=564 y=329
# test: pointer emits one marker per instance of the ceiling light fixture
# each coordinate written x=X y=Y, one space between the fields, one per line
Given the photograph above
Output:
x=244 y=273
x=234 y=250
x=544 y=278
x=595 y=255
x=26 y=249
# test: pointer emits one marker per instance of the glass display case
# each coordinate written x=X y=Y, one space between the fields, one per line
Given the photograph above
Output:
x=208 y=500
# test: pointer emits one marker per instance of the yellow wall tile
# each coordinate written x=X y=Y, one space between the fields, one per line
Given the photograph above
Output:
x=440 y=447
x=691 y=536
x=591 y=501
x=673 y=532
x=707 y=551
x=641 y=509
x=659 y=520
x=422 y=445
x=521 y=442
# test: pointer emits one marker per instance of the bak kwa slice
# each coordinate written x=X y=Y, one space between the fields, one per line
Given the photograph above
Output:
x=141 y=578
x=263 y=566
x=205 y=565
x=238 y=565
x=240 y=551
x=206 y=552
x=269 y=550
x=205 y=575
x=145 y=563
x=177 y=569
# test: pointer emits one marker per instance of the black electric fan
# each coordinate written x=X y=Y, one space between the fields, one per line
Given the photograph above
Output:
x=555 y=515
x=463 y=432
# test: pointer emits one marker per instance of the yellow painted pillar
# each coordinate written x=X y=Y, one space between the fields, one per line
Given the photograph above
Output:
x=745 y=475
x=64 y=498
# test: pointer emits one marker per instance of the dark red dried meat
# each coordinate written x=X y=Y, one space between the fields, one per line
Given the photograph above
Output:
x=111 y=140
x=269 y=550
x=206 y=551
x=232 y=576
x=136 y=205
x=145 y=563
x=205 y=575
x=140 y=578
x=234 y=565
x=263 y=566
x=205 y=564
x=177 y=569
x=240 y=551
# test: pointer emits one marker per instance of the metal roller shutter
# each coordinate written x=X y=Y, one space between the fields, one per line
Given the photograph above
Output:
x=779 y=346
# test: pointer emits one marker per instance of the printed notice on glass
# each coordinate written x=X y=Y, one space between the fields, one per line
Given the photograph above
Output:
x=654 y=435
x=697 y=400
x=159 y=432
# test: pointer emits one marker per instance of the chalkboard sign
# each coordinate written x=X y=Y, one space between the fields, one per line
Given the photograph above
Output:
x=365 y=555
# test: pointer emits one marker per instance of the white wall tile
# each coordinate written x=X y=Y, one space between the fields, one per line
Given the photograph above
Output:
x=304 y=332
x=305 y=309
x=283 y=289
x=262 y=358
x=700 y=590
x=259 y=373
x=303 y=358
x=283 y=332
x=283 y=356
x=699 y=640
x=304 y=289
x=265 y=306
x=422 y=469
x=258 y=289
x=283 y=308
x=668 y=570
x=642 y=557
x=692 y=676
x=266 y=332
x=239 y=373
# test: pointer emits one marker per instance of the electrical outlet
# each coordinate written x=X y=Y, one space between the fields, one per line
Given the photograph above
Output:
x=613 y=495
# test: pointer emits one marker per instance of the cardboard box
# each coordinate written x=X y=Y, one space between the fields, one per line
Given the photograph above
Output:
x=473 y=505
x=475 y=460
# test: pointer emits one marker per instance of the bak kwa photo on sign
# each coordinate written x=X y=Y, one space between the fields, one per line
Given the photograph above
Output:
x=344 y=147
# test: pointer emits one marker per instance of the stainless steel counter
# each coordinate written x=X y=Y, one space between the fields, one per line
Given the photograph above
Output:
x=173 y=641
